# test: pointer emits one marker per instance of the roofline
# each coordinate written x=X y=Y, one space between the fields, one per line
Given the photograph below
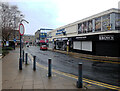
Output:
x=90 y=17
x=45 y=29
x=28 y=35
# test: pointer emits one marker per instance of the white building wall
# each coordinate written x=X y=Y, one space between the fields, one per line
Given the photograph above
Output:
x=71 y=29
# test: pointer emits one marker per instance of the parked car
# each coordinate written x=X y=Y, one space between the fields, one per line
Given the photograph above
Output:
x=43 y=47
x=27 y=45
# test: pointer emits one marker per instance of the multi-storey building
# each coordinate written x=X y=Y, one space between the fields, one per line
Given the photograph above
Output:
x=41 y=34
x=98 y=35
x=29 y=39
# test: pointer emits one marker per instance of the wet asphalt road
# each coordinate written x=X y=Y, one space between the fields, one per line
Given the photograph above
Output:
x=103 y=72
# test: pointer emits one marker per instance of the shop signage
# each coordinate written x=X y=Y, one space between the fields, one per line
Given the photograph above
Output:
x=106 y=37
x=59 y=39
x=14 y=40
x=61 y=31
x=82 y=37
x=64 y=38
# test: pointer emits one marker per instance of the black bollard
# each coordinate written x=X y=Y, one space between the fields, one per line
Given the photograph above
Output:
x=23 y=55
x=79 y=82
x=20 y=63
x=49 y=67
x=26 y=54
x=34 y=63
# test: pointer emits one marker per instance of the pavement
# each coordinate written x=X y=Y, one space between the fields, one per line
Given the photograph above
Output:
x=107 y=59
x=13 y=78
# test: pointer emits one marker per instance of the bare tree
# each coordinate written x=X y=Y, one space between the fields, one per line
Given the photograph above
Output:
x=10 y=17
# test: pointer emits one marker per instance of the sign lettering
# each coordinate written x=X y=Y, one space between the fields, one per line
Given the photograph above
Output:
x=106 y=37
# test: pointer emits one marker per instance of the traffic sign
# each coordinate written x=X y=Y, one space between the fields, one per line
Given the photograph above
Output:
x=14 y=40
x=21 y=29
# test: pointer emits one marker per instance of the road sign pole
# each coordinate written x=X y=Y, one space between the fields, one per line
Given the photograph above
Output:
x=23 y=55
x=20 y=60
x=21 y=31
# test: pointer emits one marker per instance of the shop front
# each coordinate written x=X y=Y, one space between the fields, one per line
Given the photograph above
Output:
x=101 y=44
x=61 y=43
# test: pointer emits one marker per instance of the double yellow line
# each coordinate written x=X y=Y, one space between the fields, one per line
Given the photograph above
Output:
x=89 y=58
x=84 y=79
x=97 y=60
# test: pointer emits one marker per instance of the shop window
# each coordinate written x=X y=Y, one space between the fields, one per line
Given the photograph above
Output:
x=98 y=24
x=117 y=21
x=105 y=22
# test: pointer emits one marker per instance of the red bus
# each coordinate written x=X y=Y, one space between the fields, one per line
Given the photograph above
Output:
x=43 y=44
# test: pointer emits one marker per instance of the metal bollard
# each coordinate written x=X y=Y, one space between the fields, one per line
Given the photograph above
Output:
x=23 y=55
x=20 y=63
x=49 y=67
x=26 y=56
x=79 y=82
x=34 y=63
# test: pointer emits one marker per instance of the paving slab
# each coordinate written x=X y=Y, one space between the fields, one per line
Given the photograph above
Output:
x=13 y=78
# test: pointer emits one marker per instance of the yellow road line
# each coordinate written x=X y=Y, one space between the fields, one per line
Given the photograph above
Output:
x=97 y=60
x=91 y=59
x=101 y=83
x=84 y=79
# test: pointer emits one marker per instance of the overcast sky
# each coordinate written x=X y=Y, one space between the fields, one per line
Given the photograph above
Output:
x=56 y=13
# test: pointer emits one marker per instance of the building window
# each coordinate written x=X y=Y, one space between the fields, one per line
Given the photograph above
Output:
x=83 y=27
x=117 y=21
x=105 y=22
x=90 y=26
x=79 y=28
x=98 y=24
